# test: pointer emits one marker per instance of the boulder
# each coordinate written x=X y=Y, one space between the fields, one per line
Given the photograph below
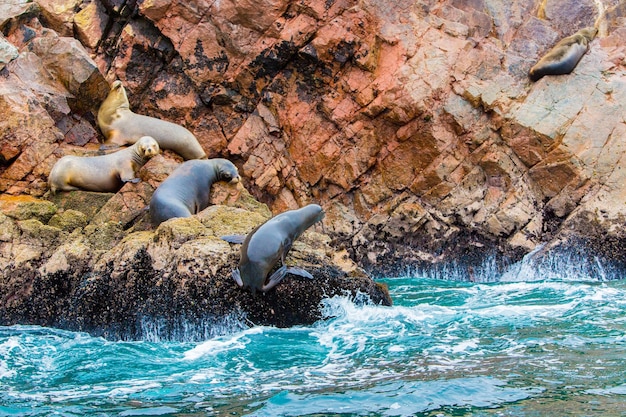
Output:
x=66 y=269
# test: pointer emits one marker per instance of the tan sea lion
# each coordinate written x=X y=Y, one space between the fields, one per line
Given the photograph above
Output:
x=269 y=243
x=186 y=190
x=121 y=126
x=104 y=173
x=564 y=56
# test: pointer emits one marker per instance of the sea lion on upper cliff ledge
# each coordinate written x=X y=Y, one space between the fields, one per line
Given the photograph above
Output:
x=186 y=190
x=104 y=173
x=121 y=126
x=270 y=242
x=564 y=56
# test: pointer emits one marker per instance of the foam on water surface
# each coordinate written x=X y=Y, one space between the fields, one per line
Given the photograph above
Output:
x=445 y=347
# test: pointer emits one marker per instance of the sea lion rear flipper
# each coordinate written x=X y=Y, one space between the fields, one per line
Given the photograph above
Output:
x=299 y=271
x=234 y=238
x=275 y=278
x=237 y=277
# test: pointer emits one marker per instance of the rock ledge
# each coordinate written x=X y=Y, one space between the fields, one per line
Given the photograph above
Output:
x=61 y=270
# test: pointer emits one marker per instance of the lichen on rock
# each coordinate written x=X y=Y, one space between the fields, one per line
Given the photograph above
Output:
x=84 y=274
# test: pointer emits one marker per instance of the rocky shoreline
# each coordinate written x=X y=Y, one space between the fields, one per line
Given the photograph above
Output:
x=64 y=268
x=413 y=125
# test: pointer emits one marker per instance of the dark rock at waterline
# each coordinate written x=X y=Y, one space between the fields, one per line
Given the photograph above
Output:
x=63 y=266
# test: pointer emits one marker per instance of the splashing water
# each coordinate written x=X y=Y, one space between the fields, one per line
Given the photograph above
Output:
x=446 y=348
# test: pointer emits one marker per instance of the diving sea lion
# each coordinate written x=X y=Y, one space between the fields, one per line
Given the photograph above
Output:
x=564 y=56
x=186 y=190
x=270 y=242
x=121 y=126
x=105 y=173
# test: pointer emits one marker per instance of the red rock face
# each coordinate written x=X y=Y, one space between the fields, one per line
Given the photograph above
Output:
x=410 y=122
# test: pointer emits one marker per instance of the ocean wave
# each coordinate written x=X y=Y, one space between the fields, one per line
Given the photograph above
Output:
x=434 y=350
x=398 y=398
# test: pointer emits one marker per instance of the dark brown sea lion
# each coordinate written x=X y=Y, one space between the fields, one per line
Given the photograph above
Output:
x=186 y=190
x=269 y=243
x=121 y=126
x=105 y=173
x=564 y=56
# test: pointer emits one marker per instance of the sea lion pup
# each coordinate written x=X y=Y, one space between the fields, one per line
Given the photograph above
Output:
x=186 y=190
x=564 y=56
x=121 y=126
x=270 y=242
x=104 y=173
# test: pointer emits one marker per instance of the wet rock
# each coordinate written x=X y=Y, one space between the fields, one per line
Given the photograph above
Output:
x=80 y=272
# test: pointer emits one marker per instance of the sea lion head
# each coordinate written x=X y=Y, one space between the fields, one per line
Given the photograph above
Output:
x=108 y=111
x=117 y=97
x=147 y=147
x=589 y=33
x=313 y=213
x=226 y=171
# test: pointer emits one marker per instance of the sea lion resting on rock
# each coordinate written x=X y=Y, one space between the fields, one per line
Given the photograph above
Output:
x=104 y=173
x=186 y=190
x=270 y=242
x=564 y=56
x=121 y=126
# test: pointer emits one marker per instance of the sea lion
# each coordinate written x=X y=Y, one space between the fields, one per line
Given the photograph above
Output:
x=186 y=190
x=270 y=242
x=564 y=56
x=105 y=173
x=121 y=126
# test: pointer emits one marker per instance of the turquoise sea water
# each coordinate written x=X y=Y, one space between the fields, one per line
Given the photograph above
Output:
x=540 y=347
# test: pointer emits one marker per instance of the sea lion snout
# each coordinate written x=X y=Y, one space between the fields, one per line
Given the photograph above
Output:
x=148 y=146
x=317 y=213
x=590 y=32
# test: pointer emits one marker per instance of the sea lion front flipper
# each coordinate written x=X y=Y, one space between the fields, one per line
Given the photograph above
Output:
x=234 y=238
x=299 y=271
x=132 y=180
x=237 y=277
x=275 y=278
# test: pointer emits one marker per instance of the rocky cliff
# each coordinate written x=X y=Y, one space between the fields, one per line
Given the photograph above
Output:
x=413 y=123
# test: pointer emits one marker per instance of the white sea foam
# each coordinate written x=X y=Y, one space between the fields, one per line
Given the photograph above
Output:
x=5 y=372
x=6 y=349
x=222 y=344
x=464 y=346
x=514 y=338
x=185 y=329
x=619 y=390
